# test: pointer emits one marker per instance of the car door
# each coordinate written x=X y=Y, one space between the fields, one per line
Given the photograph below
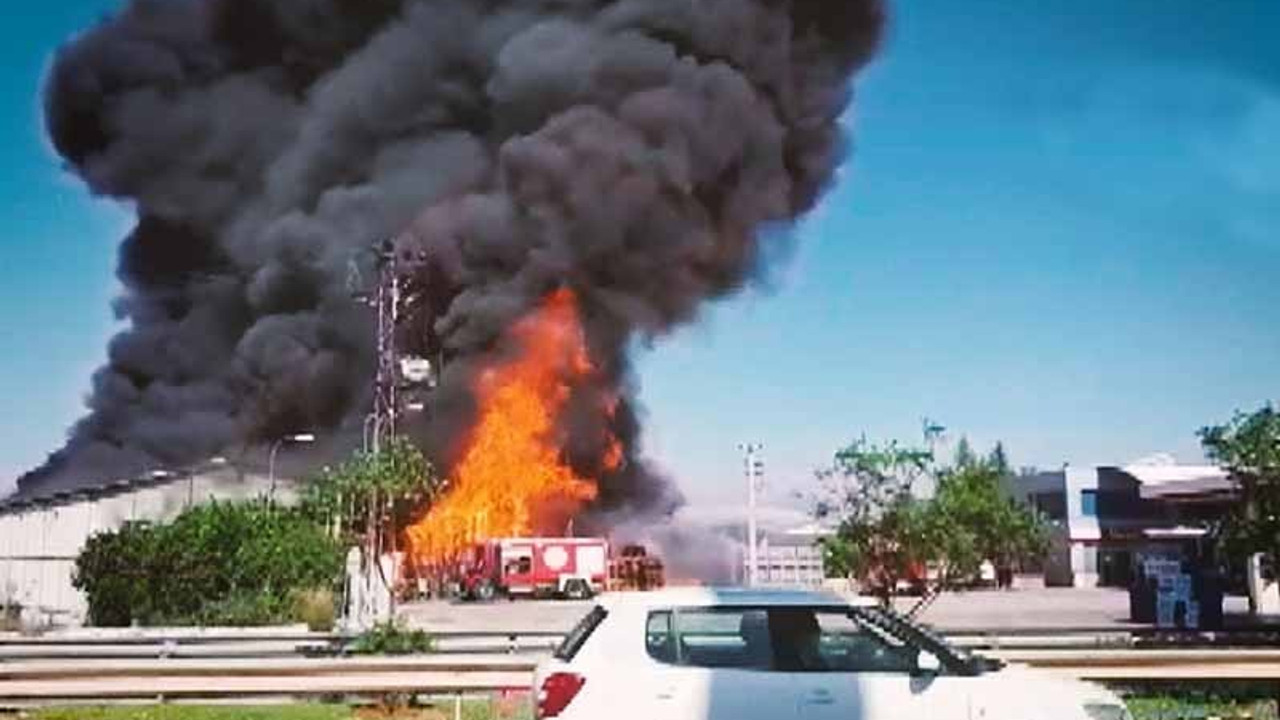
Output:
x=885 y=696
x=667 y=689
x=862 y=674
x=716 y=664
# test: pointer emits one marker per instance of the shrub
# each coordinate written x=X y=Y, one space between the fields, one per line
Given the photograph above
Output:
x=116 y=573
x=316 y=608
x=391 y=638
x=241 y=609
x=221 y=563
x=10 y=617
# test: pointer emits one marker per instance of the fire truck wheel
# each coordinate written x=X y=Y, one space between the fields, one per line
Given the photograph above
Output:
x=577 y=590
x=485 y=591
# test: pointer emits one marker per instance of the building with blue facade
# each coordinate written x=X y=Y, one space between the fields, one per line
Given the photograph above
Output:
x=1105 y=518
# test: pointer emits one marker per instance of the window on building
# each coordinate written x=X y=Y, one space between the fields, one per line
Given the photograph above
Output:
x=1090 y=558
x=1089 y=503
x=1052 y=505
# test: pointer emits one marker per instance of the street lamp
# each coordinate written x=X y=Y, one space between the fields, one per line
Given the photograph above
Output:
x=299 y=439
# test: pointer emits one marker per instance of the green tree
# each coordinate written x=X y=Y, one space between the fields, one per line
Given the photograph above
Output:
x=886 y=534
x=965 y=456
x=976 y=520
x=370 y=497
x=882 y=533
x=368 y=500
x=1249 y=447
x=999 y=461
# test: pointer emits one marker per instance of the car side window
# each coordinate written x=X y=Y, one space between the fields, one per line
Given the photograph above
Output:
x=723 y=638
x=785 y=639
x=846 y=645
x=659 y=638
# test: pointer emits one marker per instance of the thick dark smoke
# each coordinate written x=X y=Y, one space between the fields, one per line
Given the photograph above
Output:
x=636 y=151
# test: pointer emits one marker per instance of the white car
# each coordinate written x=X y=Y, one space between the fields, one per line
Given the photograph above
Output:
x=707 y=654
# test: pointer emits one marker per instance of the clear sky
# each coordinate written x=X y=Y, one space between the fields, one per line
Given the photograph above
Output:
x=1059 y=229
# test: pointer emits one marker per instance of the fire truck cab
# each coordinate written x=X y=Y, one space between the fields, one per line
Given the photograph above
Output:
x=574 y=568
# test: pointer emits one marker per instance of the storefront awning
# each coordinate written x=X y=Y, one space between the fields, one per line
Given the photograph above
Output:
x=1175 y=533
x=1180 y=481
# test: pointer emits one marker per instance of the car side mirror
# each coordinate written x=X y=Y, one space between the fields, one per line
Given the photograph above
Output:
x=927 y=664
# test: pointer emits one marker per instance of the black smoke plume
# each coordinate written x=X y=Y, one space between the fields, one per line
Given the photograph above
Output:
x=636 y=151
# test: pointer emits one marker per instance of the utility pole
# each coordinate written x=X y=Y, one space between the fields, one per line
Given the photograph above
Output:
x=753 y=469
x=385 y=300
x=380 y=425
x=386 y=405
x=397 y=386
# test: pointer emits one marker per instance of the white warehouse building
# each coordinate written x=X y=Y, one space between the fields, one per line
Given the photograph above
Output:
x=41 y=535
x=790 y=558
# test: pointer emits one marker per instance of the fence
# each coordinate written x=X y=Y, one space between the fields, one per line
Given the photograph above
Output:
x=289 y=664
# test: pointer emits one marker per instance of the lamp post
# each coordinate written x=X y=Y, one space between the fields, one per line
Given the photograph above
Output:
x=299 y=439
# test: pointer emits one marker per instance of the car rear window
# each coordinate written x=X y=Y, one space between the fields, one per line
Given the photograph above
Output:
x=577 y=637
x=784 y=639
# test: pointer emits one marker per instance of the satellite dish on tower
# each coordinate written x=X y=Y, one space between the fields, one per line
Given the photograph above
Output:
x=417 y=370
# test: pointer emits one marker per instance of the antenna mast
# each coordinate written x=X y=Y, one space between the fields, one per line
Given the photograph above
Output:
x=386 y=399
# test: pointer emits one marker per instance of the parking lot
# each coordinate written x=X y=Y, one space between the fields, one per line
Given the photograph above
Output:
x=499 y=615
x=1034 y=607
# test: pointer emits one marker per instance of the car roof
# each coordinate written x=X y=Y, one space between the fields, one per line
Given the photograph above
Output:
x=729 y=596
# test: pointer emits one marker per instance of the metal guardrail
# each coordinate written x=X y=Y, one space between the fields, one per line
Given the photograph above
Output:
x=134 y=644
x=178 y=665
x=292 y=642
x=1109 y=637
x=47 y=681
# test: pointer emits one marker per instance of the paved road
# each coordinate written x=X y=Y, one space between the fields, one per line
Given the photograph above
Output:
x=501 y=615
x=1037 y=608
x=1021 y=608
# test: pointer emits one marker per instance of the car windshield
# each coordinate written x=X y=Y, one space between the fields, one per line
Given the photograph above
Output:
x=796 y=639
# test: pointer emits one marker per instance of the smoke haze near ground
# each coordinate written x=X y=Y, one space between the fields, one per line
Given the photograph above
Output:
x=636 y=151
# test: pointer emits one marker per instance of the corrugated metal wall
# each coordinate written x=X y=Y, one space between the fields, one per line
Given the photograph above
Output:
x=39 y=543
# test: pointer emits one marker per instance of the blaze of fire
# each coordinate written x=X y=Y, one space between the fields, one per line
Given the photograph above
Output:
x=511 y=480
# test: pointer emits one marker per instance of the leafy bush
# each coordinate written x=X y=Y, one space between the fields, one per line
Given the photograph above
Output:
x=391 y=638
x=240 y=609
x=1177 y=707
x=220 y=563
x=315 y=608
x=10 y=617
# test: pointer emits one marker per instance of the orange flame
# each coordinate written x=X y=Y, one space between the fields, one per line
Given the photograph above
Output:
x=511 y=480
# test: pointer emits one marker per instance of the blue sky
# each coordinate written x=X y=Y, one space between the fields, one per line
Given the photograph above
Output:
x=57 y=255
x=1058 y=229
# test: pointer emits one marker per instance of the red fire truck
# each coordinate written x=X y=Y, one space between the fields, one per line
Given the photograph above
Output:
x=573 y=568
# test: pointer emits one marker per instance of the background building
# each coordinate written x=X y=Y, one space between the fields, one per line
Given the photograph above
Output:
x=41 y=536
x=790 y=558
x=1104 y=517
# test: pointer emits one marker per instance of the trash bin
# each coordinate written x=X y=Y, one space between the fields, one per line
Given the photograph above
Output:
x=1209 y=584
x=1142 y=598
